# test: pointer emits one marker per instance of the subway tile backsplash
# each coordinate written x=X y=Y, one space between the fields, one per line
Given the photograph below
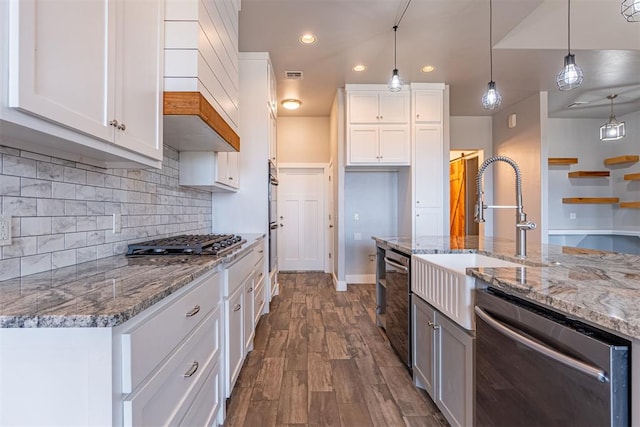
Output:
x=62 y=211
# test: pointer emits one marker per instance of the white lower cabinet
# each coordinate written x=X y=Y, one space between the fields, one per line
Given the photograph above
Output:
x=443 y=362
x=248 y=307
x=234 y=344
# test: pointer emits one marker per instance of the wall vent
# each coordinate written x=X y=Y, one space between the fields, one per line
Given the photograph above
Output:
x=293 y=75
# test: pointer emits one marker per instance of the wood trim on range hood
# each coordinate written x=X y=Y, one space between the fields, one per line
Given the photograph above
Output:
x=192 y=124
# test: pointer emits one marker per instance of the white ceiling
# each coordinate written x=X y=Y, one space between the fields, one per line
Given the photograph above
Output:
x=529 y=37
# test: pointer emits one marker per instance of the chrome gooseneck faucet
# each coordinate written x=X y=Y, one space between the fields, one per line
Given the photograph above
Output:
x=522 y=225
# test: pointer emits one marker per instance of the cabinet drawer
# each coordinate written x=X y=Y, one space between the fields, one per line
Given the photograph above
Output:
x=165 y=397
x=258 y=305
x=238 y=272
x=206 y=407
x=152 y=339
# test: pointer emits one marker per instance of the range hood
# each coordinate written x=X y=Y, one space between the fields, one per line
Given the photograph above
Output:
x=192 y=124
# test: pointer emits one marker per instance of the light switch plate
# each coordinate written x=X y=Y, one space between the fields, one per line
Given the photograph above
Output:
x=5 y=230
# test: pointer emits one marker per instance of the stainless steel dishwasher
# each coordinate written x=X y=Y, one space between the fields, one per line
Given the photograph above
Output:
x=536 y=367
x=398 y=280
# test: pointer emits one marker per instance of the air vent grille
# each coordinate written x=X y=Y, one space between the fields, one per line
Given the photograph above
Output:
x=293 y=75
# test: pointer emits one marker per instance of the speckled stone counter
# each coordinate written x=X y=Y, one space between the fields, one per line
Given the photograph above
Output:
x=601 y=288
x=102 y=293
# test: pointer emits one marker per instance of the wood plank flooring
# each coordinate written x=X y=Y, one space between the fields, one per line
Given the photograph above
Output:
x=319 y=360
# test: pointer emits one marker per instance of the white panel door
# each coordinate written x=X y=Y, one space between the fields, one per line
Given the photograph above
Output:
x=395 y=145
x=301 y=207
x=429 y=167
x=394 y=107
x=363 y=144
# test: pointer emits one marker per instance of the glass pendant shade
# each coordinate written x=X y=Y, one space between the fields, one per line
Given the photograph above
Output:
x=571 y=75
x=631 y=10
x=612 y=130
x=395 y=82
x=492 y=98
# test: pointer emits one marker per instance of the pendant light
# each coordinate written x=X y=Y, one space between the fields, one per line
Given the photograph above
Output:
x=492 y=98
x=395 y=82
x=613 y=129
x=631 y=10
x=571 y=75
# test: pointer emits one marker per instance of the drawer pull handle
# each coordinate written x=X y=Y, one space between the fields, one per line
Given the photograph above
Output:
x=250 y=290
x=192 y=370
x=237 y=307
x=193 y=311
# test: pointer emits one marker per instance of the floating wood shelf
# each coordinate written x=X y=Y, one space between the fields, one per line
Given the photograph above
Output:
x=562 y=160
x=621 y=159
x=632 y=176
x=590 y=200
x=630 y=204
x=588 y=174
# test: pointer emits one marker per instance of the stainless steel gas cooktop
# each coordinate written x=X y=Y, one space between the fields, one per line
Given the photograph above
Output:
x=194 y=244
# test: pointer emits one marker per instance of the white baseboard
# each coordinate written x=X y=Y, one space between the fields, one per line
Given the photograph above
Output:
x=361 y=278
x=340 y=285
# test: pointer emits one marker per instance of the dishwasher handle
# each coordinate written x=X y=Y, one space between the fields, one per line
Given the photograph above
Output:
x=545 y=350
x=396 y=264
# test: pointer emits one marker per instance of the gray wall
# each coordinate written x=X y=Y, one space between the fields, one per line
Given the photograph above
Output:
x=62 y=211
x=374 y=197
x=303 y=139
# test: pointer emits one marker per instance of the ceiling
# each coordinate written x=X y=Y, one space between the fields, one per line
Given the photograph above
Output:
x=529 y=41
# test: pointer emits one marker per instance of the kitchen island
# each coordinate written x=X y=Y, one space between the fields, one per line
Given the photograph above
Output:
x=124 y=340
x=596 y=287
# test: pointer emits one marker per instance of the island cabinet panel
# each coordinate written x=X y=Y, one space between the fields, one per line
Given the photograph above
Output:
x=89 y=73
x=443 y=362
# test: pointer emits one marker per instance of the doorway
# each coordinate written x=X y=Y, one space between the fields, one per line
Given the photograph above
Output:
x=301 y=215
x=463 y=168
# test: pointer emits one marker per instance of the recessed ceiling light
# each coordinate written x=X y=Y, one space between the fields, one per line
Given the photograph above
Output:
x=428 y=69
x=291 y=104
x=307 y=38
x=359 y=68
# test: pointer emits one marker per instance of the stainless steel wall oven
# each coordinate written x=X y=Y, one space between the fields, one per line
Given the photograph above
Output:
x=273 y=222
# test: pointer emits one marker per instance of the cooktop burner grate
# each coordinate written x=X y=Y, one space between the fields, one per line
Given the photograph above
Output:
x=197 y=244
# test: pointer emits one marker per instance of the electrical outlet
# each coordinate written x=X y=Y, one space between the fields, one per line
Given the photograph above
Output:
x=356 y=217
x=5 y=230
x=572 y=215
x=117 y=223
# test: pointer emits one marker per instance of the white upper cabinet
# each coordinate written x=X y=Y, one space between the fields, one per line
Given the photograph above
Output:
x=427 y=106
x=208 y=170
x=93 y=67
x=377 y=126
x=378 y=107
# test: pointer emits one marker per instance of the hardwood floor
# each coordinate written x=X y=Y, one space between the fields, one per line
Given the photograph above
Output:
x=319 y=360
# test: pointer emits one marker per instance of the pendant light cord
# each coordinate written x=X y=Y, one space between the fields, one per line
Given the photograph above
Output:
x=402 y=16
x=491 y=38
x=395 y=46
x=569 y=26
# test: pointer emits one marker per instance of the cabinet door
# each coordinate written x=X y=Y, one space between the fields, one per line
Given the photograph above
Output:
x=247 y=309
x=363 y=107
x=427 y=106
x=233 y=169
x=423 y=344
x=429 y=222
x=138 y=92
x=234 y=348
x=273 y=144
x=429 y=166
x=222 y=167
x=363 y=145
x=394 y=107
x=62 y=62
x=394 y=145
x=454 y=394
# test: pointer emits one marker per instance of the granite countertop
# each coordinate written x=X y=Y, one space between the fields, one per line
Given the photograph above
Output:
x=598 y=287
x=102 y=293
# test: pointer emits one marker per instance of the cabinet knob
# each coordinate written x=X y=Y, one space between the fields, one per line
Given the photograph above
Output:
x=192 y=370
x=230 y=178
x=195 y=310
x=381 y=117
x=113 y=123
x=250 y=290
x=417 y=116
x=122 y=127
x=237 y=307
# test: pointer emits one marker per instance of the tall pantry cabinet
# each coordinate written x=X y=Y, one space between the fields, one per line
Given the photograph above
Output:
x=247 y=210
